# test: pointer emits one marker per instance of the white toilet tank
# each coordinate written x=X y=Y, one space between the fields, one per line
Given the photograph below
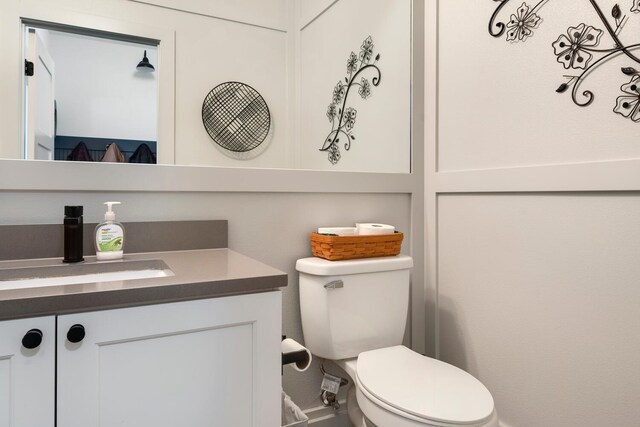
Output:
x=353 y=306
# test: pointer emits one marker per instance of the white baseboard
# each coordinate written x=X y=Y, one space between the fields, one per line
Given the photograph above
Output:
x=322 y=416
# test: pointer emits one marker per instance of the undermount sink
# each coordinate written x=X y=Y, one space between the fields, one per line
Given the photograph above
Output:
x=72 y=274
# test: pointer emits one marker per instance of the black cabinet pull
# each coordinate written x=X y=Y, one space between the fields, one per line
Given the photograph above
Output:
x=32 y=339
x=76 y=333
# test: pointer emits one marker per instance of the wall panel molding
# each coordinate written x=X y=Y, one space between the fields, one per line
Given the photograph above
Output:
x=307 y=17
x=617 y=175
x=270 y=14
x=35 y=175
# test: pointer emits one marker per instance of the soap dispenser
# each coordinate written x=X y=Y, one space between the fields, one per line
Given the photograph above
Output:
x=109 y=236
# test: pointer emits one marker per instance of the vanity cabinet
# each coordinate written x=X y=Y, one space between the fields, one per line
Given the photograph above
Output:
x=197 y=363
x=27 y=374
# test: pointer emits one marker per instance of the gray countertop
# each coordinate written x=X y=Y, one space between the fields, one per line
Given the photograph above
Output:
x=205 y=273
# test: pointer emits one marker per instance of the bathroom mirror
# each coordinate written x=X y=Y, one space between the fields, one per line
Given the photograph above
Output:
x=87 y=91
x=281 y=48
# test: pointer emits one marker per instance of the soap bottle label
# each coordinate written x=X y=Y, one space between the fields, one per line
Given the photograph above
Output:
x=109 y=238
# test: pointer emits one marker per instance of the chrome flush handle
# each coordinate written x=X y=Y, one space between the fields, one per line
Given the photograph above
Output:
x=335 y=284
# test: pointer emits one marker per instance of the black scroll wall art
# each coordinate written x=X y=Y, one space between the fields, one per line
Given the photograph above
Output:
x=342 y=117
x=578 y=50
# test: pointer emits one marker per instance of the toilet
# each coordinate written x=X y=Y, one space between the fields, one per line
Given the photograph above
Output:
x=354 y=313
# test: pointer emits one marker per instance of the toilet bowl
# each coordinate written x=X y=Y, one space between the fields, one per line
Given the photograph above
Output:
x=354 y=313
x=398 y=387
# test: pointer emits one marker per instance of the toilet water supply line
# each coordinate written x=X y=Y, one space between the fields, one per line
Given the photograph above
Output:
x=330 y=398
x=293 y=353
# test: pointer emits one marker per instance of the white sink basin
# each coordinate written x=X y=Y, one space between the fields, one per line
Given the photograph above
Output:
x=72 y=274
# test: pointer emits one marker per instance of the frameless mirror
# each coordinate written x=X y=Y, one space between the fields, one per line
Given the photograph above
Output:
x=335 y=77
x=89 y=97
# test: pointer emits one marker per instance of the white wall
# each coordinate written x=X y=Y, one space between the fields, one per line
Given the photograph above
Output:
x=99 y=92
x=211 y=51
x=538 y=297
x=532 y=247
x=264 y=13
x=504 y=92
x=327 y=33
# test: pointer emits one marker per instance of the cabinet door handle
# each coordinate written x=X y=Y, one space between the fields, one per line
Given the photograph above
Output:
x=75 y=333
x=32 y=339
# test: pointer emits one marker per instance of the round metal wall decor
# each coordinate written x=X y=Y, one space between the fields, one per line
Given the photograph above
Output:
x=236 y=116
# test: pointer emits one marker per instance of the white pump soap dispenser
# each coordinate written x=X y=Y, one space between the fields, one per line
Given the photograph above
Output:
x=109 y=236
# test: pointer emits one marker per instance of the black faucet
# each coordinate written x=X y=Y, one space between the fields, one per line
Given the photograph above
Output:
x=73 y=234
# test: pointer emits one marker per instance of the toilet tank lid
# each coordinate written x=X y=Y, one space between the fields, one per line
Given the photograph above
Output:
x=323 y=267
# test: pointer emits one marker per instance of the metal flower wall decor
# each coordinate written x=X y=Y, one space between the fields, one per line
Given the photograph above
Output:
x=578 y=50
x=342 y=117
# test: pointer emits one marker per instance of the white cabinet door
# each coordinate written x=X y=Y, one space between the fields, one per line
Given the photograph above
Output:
x=27 y=375
x=213 y=362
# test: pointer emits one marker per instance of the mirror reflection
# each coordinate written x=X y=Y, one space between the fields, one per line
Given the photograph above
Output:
x=335 y=77
x=89 y=97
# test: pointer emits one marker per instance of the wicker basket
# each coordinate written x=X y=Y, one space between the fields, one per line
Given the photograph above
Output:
x=336 y=248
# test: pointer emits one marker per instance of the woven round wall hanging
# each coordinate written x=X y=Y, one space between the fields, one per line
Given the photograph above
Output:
x=236 y=116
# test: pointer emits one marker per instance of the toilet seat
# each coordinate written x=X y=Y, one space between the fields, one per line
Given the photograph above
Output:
x=422 y=389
